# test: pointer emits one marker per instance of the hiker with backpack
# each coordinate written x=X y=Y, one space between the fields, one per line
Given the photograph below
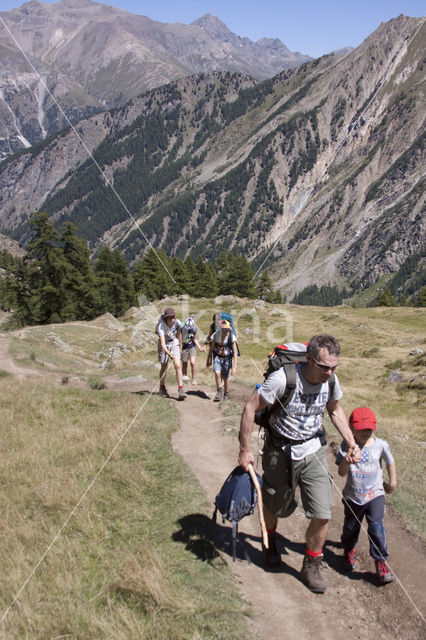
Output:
x=294 y=453
x=189 y=345
x=169 y=333
x=223 y=353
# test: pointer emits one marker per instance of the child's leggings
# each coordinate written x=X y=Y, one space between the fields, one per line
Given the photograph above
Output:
x=374 y=512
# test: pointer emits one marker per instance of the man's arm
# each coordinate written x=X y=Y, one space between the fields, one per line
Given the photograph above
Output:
x=255 y=403
x=340 y=421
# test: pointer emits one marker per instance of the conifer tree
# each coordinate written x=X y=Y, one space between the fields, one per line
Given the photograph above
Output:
x=82 y=299
x=180 y=276
x=46 y=268
x=386 y=299
x=114 y=281
x=152 y=275
x=206 y=282
x=264 y=287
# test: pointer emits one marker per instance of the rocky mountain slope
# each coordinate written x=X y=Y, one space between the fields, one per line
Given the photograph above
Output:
x=317 y=173
x=90 y=56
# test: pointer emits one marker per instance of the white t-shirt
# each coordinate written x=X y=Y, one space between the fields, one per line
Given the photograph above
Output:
x=365 y=480
x=302 y=417
x=169 y=333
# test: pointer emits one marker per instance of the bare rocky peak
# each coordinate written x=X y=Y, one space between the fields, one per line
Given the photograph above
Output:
x=94 y=56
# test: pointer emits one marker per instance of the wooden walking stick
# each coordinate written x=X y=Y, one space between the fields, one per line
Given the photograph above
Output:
x=259 y=505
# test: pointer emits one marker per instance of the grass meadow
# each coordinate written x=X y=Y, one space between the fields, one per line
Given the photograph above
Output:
x=93 y=495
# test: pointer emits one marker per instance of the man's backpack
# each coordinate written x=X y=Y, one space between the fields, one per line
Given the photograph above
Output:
x=236 y=499
x=286 y=356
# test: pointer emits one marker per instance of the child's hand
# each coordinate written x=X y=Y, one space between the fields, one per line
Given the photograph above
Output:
x=389 y=488
x=354 y=454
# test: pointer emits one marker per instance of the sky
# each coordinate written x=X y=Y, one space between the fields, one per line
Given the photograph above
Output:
x=313 y=27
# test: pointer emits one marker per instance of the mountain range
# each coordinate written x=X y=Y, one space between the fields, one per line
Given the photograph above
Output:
x=64 y=61
x=317 y=173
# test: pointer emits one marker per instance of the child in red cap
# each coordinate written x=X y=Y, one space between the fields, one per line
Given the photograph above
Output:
x=364 y=492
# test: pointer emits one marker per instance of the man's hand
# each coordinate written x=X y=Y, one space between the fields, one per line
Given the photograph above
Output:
x=245 y=458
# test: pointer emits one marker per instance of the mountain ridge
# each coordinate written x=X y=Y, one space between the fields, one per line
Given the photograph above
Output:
x=317 y=173
x=93 y=56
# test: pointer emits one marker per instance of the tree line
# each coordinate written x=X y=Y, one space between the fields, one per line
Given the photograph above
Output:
x=58 y=281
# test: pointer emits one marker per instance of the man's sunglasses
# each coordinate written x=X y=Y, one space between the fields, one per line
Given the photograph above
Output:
x=323 y=367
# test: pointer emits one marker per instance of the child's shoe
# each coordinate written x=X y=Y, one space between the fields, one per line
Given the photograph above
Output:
x=218 y=396
x=384 y=574
x=349 y=559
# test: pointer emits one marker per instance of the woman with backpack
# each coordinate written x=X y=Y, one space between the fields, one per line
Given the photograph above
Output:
x=223 y=352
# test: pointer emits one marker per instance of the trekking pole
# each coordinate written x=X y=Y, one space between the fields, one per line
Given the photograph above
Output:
x=253 y=476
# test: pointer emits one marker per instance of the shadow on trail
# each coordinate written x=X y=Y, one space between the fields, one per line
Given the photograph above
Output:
x=335 y=561
x=198 y=394
x=206 y=539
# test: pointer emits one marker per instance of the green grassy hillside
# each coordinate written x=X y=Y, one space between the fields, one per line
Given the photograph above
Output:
x=91 y=542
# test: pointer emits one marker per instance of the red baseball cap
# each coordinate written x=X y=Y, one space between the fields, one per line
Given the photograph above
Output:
x=362 y=418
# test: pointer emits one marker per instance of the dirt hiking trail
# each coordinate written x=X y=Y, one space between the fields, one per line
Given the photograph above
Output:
x=283 y=608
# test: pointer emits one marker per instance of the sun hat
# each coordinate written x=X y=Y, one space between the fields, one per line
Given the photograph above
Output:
x=362 y=418
x=224 y=324
x=169 y=313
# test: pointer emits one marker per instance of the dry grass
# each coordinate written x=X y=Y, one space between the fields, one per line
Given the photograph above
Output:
x=88 y=548
x=119 y=568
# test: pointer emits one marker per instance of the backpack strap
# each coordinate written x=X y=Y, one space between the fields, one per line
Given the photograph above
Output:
x=290 y=388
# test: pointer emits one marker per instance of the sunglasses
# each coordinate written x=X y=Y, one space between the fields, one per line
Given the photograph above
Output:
x=323 y=367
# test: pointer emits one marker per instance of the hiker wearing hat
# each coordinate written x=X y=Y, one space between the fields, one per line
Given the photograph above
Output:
x=294 y=453
x=223 y=353
x=364 y=492
x=170 y=346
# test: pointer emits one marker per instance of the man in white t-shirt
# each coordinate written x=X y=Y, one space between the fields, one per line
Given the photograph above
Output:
x=294 y=454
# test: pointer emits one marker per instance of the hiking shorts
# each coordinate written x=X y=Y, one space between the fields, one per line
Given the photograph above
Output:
x=223 y=364
x=187 y=354
x=281 y=476
x=163 y=357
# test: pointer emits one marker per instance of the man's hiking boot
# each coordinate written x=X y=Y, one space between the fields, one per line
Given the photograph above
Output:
x=272 y=555
x=349 y=559
x=181 y=393
x=164 y=393
x=218 y=396
x=311 y=574
x=226 y=395
x=384 y=574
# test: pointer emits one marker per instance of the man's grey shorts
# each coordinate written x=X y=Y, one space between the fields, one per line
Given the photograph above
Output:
x=280 y=480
